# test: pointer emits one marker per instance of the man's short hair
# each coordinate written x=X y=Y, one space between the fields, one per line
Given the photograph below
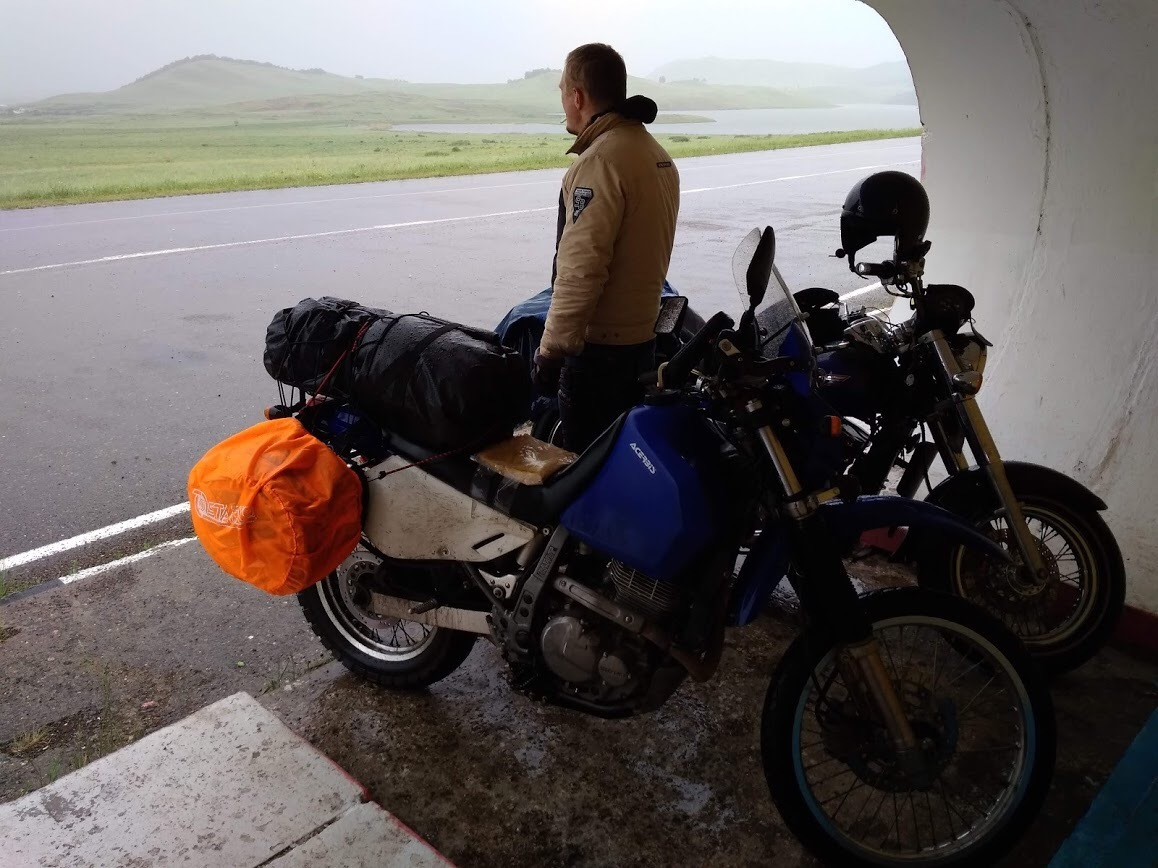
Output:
x=599 y=70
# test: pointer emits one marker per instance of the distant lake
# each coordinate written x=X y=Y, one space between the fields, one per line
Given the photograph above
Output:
x=733 y=122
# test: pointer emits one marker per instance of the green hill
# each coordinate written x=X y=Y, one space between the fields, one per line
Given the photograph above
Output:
x=218 y=85
x=884 y=82
x=198 y=82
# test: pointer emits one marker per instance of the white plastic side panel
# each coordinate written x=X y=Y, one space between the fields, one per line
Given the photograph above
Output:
x=414 y=516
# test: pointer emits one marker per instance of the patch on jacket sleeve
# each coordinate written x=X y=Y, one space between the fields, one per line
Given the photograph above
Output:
x=580 y=199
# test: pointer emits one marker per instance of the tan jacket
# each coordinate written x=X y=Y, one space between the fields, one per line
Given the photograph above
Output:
x=617 y=222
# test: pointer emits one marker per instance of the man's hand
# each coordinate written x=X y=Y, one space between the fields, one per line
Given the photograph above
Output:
x=545 y=374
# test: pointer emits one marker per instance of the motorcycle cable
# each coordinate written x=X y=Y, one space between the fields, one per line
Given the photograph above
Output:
x=779 y=332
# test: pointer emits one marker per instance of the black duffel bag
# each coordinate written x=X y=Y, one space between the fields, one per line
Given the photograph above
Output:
x=441 y=385
x=303 y=343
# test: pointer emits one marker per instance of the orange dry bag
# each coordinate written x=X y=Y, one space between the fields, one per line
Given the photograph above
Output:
x=275 y=507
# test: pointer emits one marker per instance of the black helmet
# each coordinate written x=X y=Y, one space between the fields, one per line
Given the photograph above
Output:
x=887 y=203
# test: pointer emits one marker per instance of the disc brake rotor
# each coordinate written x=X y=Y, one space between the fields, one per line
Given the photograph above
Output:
x=1008 y=587
x=354 y=577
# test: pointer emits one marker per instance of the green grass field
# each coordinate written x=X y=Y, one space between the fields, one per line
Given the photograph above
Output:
x=55 y=162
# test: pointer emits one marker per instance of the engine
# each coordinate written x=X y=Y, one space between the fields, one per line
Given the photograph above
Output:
x=600 y=661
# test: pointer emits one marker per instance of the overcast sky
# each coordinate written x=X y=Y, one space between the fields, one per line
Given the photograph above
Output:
x=57 y=46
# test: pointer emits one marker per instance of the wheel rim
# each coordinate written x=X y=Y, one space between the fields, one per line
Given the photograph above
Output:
x=343 y=599
x=973 y=716
x=1043 y=613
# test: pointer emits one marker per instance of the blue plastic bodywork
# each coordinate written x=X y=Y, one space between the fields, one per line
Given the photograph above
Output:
x=525 y=321
x=795 y=346
x=651 y=506
x=769 y=560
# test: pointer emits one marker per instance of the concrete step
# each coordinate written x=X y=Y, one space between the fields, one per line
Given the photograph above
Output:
x=230 y=785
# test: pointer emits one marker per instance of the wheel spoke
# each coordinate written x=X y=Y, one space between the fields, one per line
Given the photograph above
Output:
x=889 y=652
x=855 y=785
x=936 y=671
x=984 y=687
x=948 y=809
x=819 y=763
x=839 y=774
x=966 y=672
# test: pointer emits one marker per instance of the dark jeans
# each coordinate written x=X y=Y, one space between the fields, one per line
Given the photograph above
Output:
x=597 y=386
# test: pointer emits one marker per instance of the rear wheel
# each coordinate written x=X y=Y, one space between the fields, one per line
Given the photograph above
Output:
x=984 y=723
x=399 y=654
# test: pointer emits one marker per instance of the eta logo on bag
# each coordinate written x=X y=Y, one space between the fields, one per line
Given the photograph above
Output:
x=223 y=514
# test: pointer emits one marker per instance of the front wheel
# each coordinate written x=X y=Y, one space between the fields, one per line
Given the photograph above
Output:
x=1065 y=616
x=404 y=655
x=982 y=717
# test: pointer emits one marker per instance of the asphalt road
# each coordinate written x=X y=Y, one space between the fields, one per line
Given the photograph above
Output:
x=131 y=333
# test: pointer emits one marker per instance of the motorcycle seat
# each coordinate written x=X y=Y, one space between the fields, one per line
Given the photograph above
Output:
x=525 y=460
x=539 y=504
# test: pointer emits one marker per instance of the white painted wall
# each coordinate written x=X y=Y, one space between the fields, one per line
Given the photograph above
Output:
x=1041 y=161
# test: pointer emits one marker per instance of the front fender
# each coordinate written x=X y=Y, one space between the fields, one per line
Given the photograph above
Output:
x=852 y=518
x=770 y=556
x=967 y=489
x=765 y=565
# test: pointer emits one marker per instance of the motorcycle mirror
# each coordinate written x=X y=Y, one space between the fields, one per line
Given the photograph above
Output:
x=814 y=298
x=760 y=268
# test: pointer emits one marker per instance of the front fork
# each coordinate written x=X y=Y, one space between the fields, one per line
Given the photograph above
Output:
x=984 y=450
x=826 y=593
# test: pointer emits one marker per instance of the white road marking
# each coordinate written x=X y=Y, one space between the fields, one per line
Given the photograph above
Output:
x=145 y=254
x=92 y=536
x=864 y=290
x=740 y=164
x=794 y=177
x=684 y=168
x=131 y=559
x=277 y=204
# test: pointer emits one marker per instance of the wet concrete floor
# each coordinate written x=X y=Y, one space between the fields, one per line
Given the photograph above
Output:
x=488 y=776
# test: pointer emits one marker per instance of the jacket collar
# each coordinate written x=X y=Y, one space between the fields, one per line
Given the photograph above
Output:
x=598 y=126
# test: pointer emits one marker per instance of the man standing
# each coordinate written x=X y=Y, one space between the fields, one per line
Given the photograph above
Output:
x=617 y=220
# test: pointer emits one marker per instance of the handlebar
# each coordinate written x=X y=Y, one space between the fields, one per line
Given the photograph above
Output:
x=883 y=270
x=675 y=373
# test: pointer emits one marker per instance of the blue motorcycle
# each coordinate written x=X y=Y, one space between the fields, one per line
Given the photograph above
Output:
x=901 y=727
